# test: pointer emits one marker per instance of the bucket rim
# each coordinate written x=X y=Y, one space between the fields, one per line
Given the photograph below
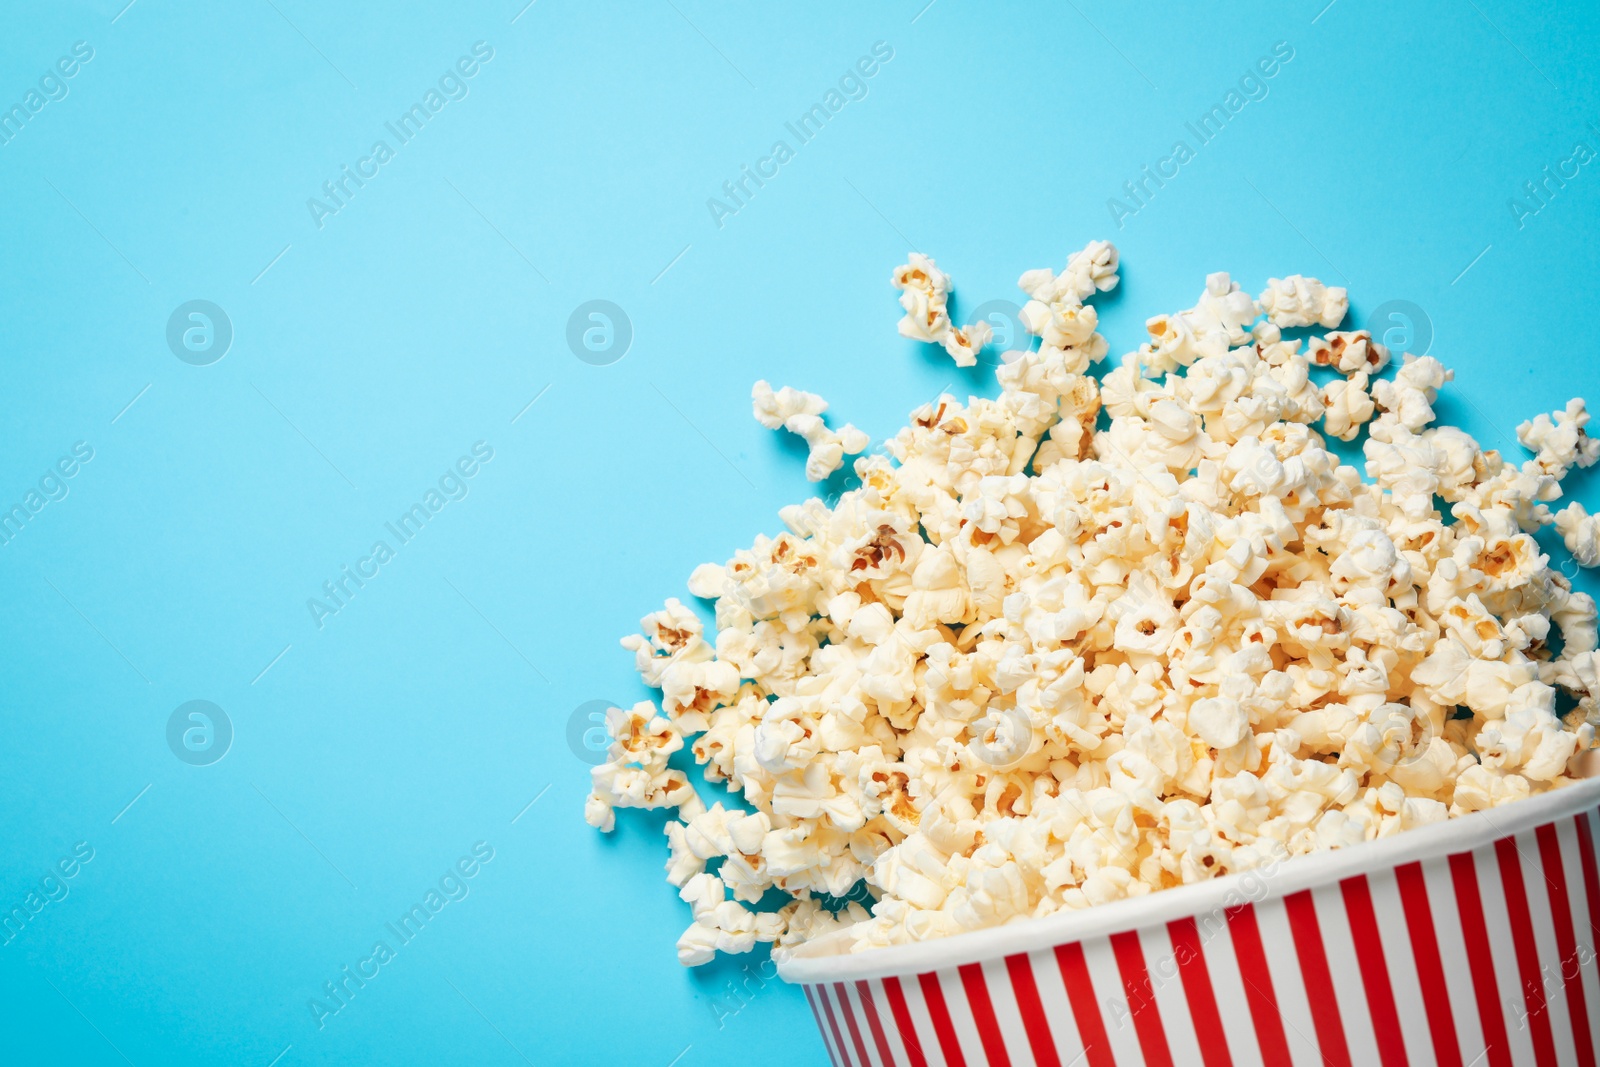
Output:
x=820 y=960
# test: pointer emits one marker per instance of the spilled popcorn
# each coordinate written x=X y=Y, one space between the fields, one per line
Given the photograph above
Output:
x=1034 y=663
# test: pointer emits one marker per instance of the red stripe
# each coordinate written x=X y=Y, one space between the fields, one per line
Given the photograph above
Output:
x=1480 y=959
x=1571 y=967
x=822 y=1027
x=879 y=1038
x=903 y=1021
x=1591 y=876
x=1308 y=946
x=1032 y=1011
x=943 y=1029
x=1258 y=992
x=1516 y=893
x=833 y=1025
x=1374 y=971
x=994 y=1045
x=1142 y=999
x=1085 y=1008
x=1197 y=990
x=1430 y=966
x=843 y=996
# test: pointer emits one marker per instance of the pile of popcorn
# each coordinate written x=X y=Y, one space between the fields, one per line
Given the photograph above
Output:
x=1098 y=637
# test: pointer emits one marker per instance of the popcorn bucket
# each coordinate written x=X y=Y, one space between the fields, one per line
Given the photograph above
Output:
x=1467 y=943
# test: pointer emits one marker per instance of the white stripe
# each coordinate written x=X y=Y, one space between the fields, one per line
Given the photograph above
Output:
x=1288 y=986
x=1506 y=976
x=1162 y=965
x=821 y=993
x=874 y=1057
x=923 y=1019
x=867 y=1041
x=846 y=1044
x=1057 y=1008
x=1580 y=964
x=880 y=1001
x=1217 y=963
x=1544 y=936
x=891 y=1028
x=1114 y=1006
x=1345 y=970
x=1232 y=1004
x=955 y=1000
x=1582 y=931
x=1007 y=1012
x=1395 y=937
x=1461 y=993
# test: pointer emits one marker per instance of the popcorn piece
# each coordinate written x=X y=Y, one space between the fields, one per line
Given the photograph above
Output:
x=1088 y=271
x=828 y=447
x=1349 y=353
x=774 y=409
x=801 y=413
x=1056 y=312
x=921 y=275
x=1219 y=721
x=925 y=296
x=1086 y=641
x=1581 y=533
x=1560 y=440
x=964 y=344
x=1219 y=320
x=1348 y=407
x=1412 y=392
x=1301 y=301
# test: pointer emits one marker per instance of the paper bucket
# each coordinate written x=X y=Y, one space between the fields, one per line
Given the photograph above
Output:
x=1469 y=943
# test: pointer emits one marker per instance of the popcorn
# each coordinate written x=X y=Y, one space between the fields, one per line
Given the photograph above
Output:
x=1349 y=353
x=1037 y=660
x=1560 y=440
x=925 y=296
x=1347 y=406
x=1094 y=269
x=1219 y=320
x=1581 y=533
x=964 y=344
x=801 y=413
x=1219 y=721
x=1411 y=394
x=1301 y=301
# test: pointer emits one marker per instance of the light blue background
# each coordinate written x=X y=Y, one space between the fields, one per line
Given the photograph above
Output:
x=428 y=313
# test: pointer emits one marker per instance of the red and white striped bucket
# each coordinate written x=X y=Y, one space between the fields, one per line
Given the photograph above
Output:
x=1470 y=943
